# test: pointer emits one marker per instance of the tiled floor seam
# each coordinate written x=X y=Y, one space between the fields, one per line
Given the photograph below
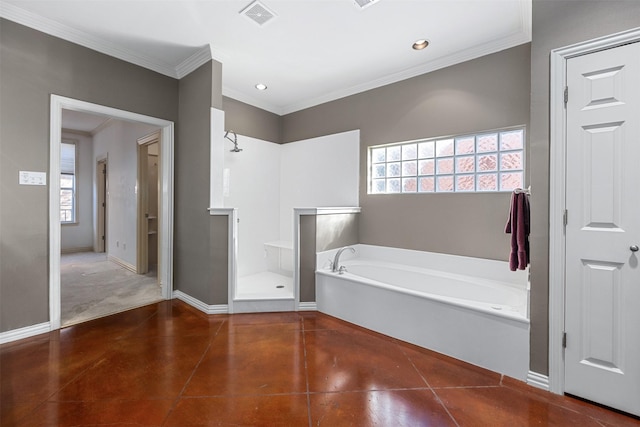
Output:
x=53 y=393
x=445 y=407
x=195 y=368
x=430 y=388
x=306 y=370
x=557 y=404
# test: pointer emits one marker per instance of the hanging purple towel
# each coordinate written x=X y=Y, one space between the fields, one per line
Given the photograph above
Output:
x=519 y=227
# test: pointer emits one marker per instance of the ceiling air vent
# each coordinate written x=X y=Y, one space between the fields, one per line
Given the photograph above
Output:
x=365 y=3
x=258 y=13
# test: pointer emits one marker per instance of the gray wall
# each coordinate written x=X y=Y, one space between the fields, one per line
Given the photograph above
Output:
x=248 y=120
x=321 y=233
x=557 y=24
x=307 y=256
x=32 y=67
x=486 y=93
x=199 y=268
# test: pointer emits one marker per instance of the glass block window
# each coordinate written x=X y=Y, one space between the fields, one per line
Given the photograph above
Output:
x=487 y=161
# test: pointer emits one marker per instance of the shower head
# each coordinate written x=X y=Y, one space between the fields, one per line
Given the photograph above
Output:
x=235 y=148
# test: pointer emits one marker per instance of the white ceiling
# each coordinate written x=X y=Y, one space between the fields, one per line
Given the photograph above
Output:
x=311 y=52
x=82 y=122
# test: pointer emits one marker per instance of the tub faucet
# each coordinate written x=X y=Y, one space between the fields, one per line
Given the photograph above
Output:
x=335 y=267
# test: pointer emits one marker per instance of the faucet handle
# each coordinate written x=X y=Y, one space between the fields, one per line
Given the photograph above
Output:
x=342 y=269
x=330 y=264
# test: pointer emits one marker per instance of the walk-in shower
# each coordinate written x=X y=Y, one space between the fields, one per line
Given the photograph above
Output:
x=252 y=186
x=263 y=186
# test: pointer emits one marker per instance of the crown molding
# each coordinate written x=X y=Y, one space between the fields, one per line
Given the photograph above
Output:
x=463 y=56
x=206 y=53
x=56 y=29
x=523 y=35
x=195 y=61
x=258 y=103
x=77 y=132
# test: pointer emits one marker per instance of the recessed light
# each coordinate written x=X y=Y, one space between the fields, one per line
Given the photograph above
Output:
x=261 y=86
x=420 y=44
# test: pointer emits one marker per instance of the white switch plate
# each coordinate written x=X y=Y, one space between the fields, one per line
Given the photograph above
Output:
x=33 y=178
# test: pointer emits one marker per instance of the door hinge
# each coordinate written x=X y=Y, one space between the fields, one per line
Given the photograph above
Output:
x=564 y=340
x=102 y=237
x=565 y=217
x=566 y=95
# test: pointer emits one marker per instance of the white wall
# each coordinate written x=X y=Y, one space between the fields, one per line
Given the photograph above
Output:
x=118 y=142
x=318 y=172
x=79 y=236
x=266 y=181
x=253 y=187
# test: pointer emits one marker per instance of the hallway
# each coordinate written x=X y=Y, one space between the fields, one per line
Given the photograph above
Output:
x=167 y=364
x=92 y=287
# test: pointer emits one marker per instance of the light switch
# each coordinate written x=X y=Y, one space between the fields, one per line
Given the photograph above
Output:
x=33 y=178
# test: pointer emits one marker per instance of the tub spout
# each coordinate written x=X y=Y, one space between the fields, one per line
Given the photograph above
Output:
x=335 y=267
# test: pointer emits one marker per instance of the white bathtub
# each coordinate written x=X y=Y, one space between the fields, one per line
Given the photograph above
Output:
x=468 y=308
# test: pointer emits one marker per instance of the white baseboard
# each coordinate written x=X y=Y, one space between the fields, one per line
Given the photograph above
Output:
x=197 y=304
x=538 y=380
x=76 y=250
x=124 y=264
x=308 y=306
x=26 y=332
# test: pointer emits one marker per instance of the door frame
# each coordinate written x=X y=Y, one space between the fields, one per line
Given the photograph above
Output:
x=101 y=226
x=557 y=191
x=58 y=103
x=142 y=244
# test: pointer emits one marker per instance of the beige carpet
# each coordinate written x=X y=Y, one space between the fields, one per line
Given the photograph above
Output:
x=92 y=286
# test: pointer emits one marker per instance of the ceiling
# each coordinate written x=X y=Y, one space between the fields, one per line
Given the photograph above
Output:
x=83 y=122
x=310 y=52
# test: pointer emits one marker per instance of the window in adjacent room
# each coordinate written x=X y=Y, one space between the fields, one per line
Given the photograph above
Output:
x=68 y=182
x=482 y=162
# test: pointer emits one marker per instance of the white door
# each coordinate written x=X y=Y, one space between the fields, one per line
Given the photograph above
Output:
x=602 y=355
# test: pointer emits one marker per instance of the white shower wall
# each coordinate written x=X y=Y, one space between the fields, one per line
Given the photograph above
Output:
x=251 y=184
x=318 y=172
x=266 y=181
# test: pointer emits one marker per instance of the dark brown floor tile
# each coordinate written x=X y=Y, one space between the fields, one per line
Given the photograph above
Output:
x=379 y=408
x=118 y=412
x=443 y=371
x=12 y=413
x=264 y=318
x=503 y=406
x=177 y=318
x=139 y=368
x=313 y=320
x=34 y=371
x=251 y=363
x=604 y=415
x=110 y=328
x=338 y=361
x=278 y=410
x=11 y=346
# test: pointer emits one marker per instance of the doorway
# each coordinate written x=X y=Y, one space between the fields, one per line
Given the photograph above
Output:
x=101 y=206
x=149 y=158
x=165 y=224
x=594 y=268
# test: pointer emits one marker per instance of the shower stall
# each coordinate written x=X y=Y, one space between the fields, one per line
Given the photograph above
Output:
x=262 y=182
x=264 y=255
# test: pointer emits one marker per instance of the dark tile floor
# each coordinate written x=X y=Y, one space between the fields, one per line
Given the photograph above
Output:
x=168 y=364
